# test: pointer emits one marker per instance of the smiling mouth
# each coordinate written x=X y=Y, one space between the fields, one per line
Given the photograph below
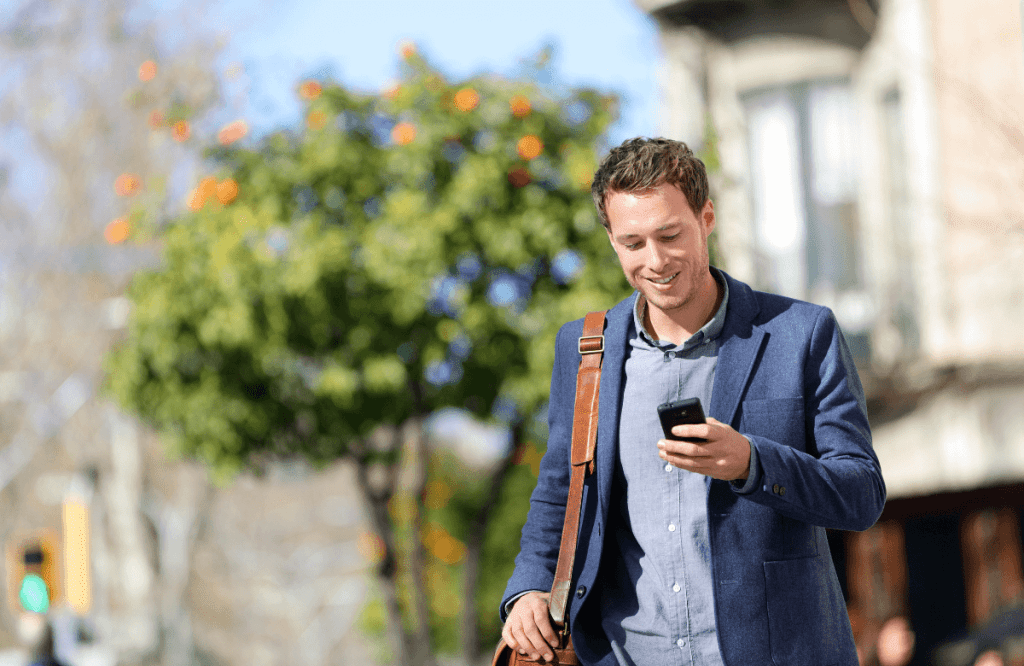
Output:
x=663 y=280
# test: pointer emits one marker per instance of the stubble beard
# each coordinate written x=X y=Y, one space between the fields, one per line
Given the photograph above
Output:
x=670 y=303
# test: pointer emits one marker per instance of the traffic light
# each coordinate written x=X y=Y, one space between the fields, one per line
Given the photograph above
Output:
x=33 y=571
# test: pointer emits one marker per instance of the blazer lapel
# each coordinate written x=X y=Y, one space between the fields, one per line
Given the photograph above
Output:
x=619 y=323
x=740 y=346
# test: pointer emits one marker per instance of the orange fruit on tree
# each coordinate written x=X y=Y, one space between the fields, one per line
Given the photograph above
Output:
x=520 y=106
x=466 y=99
x=227 y=190
x=310 y=90
x=206 y=188
x=147 y=71
x=529 y=147
x=316 y=120
x=127 y=184
x=117 y=231
x=181 y=131
x=403 y=133
x=232 y=132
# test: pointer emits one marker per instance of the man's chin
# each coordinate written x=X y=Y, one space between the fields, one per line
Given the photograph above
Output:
x=663 y=302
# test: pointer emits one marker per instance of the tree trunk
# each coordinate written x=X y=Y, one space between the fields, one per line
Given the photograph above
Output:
x=470 y=635
x=420 y=462
x=377 y=496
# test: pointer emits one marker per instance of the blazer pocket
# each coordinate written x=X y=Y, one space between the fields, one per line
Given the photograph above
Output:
x=807 y=619
x=780 y=420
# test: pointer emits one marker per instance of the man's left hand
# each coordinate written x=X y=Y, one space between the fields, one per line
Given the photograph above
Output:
x=723 y=453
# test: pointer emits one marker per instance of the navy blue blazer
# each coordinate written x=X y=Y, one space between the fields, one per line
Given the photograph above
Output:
x=785 y=379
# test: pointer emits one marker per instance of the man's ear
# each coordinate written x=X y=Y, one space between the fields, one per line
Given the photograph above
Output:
x=707 y=217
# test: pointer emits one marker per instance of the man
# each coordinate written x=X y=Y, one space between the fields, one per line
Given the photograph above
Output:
x=710 y=550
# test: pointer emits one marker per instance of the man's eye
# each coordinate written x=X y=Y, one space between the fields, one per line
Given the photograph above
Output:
x=632 y=246
x=671 y=238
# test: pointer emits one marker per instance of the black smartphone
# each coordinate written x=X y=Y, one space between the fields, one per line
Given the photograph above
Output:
x=678 y=412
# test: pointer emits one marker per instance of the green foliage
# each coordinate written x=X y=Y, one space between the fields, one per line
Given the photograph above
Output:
x=394 y=257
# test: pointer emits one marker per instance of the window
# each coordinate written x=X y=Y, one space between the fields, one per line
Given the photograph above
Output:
x=803 y=160
x=901 y=297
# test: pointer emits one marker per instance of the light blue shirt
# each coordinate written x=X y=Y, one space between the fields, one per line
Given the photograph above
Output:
x=657 y=601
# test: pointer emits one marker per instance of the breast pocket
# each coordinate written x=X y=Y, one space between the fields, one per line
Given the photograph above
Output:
x=780 y=420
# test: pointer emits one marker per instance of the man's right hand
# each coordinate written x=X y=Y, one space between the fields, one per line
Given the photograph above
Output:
x=528 y=627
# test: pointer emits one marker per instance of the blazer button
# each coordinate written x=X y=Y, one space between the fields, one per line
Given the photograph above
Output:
x=782 y=490
x=580 y=591
x=775 y=489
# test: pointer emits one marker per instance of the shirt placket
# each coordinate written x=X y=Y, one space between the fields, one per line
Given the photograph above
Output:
x=680 y=586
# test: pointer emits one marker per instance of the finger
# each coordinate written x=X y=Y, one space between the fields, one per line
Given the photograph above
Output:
x=687 y=449
x=692 y=431
x=525 y=633
x=534 y=632
x=506 y=633
x=523 y=644
x=546 y=627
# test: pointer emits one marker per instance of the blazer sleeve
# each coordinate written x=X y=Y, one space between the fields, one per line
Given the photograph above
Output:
x=542 y=533
x=834 y=479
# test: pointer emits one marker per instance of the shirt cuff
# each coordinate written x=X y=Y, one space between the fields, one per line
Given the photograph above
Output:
x=753 y=480
x=513 y=600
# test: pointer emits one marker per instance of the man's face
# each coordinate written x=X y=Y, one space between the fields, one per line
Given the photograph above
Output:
x=662 y=245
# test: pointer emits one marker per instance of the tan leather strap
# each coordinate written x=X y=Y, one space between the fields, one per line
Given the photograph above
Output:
x=584 y=442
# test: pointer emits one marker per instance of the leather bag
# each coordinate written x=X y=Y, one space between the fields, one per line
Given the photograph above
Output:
x=584 y=442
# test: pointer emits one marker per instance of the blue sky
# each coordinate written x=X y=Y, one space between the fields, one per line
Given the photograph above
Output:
x=607 y=44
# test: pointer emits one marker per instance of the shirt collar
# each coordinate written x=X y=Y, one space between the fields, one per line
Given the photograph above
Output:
x=709 y=331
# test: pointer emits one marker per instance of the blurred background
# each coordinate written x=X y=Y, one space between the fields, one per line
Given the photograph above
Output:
x=279 y=285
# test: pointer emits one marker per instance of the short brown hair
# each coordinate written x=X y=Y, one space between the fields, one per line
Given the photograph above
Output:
x=642 y=164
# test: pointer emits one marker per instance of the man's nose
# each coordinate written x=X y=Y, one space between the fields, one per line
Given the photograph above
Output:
x=656 y=257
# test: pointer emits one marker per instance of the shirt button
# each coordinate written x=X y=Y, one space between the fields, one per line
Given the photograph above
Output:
x=675 y=588
x=671 y=528
x=668 y=467
x=680 y=642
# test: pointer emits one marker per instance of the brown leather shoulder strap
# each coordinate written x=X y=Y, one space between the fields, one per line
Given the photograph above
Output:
x=584 y=442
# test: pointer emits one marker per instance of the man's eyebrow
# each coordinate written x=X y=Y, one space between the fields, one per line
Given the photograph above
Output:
x=663 y=227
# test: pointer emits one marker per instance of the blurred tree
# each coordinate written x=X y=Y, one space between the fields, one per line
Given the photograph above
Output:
x=90 y=91
x=335 y=285
x=98 y=141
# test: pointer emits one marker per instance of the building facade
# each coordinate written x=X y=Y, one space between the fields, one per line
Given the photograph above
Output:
x=871 y=158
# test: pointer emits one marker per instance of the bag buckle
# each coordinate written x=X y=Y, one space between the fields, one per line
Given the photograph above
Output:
x=591 y=348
